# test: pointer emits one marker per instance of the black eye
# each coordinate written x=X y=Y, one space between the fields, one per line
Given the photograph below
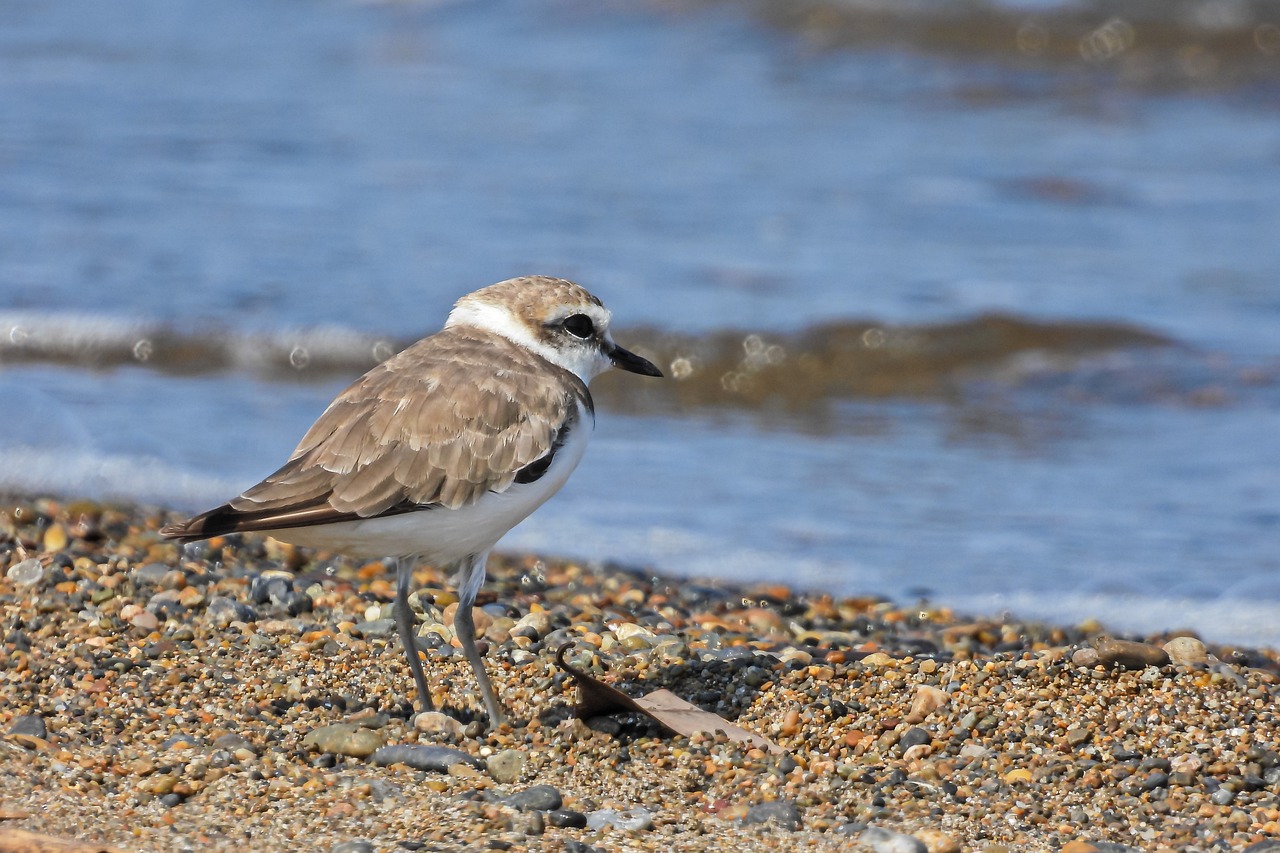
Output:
x=579 y=325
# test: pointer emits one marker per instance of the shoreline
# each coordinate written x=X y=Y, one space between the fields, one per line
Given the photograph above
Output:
x=154 y=699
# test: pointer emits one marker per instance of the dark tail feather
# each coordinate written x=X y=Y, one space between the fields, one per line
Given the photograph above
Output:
x=227 y=519
x=215 y=522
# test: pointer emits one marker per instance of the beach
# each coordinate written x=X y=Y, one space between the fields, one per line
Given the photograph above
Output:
x=241 y=694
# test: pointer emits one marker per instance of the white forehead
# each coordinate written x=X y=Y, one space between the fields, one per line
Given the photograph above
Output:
x=526 y=311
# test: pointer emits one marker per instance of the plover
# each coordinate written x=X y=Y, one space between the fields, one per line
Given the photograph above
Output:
x=436 y=453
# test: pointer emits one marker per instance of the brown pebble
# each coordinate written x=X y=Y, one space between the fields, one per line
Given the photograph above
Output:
x=1128 y=654
x=936 y=841
x=927 y=700
x=1085 y=658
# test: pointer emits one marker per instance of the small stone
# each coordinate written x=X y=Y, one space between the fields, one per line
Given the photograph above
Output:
x=149 y=574
x=634 y=637
x=26 y=573
x=913 y=737
x=927 y=700
x=883 y=840
x=438 y=724
x=344 y=739
x=353 y=846
x=375 y=629
x=936 y=841
x=529 y=823
x=782 y=812
x=1085 y=658
x=145 y=620
x=544 y=798
x=533 y=625
x=1127 y=654
x=1223 y=796
x=629 y=820
x=29 y=725
x=55 y=538
x=567 y=819
x=1077 y=735
x=505 y=766
x=420 y=757
x=222 y=611
x=1186 y=651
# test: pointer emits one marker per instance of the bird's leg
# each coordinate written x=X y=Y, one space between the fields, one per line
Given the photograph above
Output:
x=470 y=578
x=404 y=624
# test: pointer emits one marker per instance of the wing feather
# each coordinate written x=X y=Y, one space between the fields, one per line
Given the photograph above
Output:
x=417 y=432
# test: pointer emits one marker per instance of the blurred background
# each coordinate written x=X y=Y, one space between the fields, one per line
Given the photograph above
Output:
x=969 y=301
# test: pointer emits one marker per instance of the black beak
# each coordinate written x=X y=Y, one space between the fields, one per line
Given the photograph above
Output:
x=632 y=363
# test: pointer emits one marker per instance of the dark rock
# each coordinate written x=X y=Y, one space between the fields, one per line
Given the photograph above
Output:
x=424 y=757
x=544 y=798
x=29 y=724
x=353 y=846
x=913 y=737
x=566 y=819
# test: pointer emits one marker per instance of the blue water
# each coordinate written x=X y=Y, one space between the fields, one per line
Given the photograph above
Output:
x=259 y=168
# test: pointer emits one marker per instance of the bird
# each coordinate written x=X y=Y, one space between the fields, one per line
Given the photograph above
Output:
x=434 y=454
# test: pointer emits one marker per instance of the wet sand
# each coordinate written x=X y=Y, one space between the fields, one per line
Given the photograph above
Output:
x=155 y=699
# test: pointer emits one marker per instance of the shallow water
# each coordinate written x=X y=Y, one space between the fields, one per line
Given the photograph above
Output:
x=945 y=323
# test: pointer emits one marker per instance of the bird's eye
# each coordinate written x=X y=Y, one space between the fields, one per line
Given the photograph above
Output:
x=579 y=325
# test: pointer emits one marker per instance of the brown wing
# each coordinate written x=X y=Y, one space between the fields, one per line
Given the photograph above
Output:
x=454 y=416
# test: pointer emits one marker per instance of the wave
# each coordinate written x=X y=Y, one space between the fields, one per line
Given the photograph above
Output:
x=810 y=372
x=1136 y=41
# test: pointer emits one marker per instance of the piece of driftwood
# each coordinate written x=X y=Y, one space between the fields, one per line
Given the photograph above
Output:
x=595 y=699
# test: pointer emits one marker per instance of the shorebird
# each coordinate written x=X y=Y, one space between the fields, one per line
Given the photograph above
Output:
x=436 y=453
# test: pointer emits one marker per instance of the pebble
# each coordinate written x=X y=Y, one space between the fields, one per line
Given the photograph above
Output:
x=222 y=611
x=914 y=736
x=344 y=739
x=438 y=759
x=912 y=720
x=936 y=841
x=1128 y=654
x=25 y=573
x=544 y=798
x=628 y=820
x=927 y=699
x=375 y=629
x=506 y=766
x=353 y=846
x=883 y=840
x=438 y=724
x=567 y=819
x=28 y=725
x=784 y=813
x=1186 y=651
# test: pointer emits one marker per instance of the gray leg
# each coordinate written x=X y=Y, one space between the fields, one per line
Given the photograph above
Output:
x=404 y=624
x=470 y=578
